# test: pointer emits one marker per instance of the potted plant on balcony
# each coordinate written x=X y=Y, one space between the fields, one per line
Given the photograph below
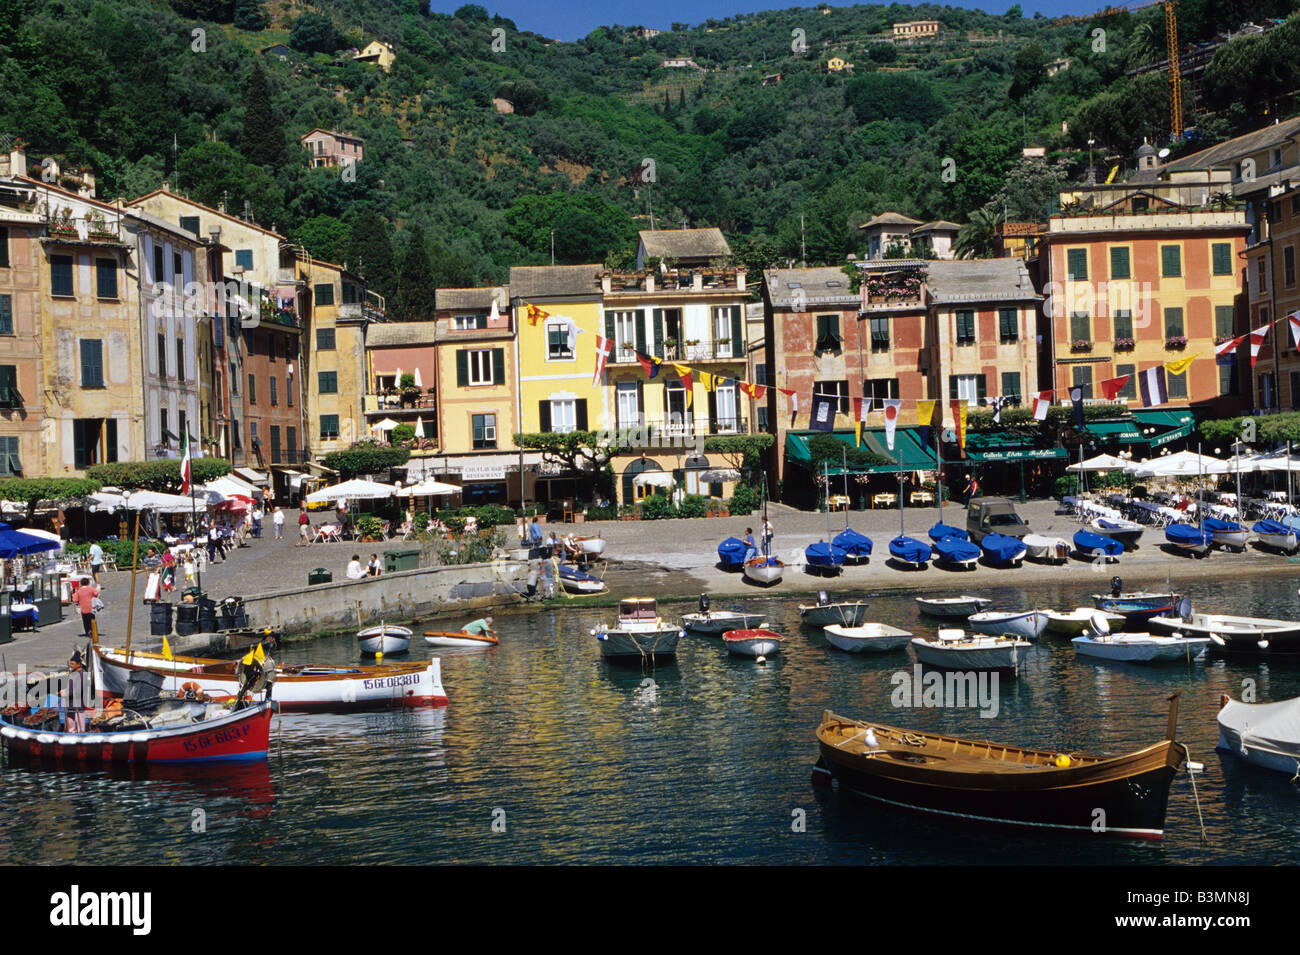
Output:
x=1125 y=344
x=97 y=228
x=670 y=348
x=61 y=223
x=1080 y=344
x=1176 y=341
x=410 y=393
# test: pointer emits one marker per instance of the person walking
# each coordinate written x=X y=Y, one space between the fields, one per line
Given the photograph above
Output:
x=168 y=571
x=87 y=594
x=304 y=529
x=213 y=534
x=96 y=561
x=257 y=521
x=971 y=489
x=277 y=518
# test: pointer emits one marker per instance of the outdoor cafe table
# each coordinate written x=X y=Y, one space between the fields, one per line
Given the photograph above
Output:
x=922 y=497
x=884 y=499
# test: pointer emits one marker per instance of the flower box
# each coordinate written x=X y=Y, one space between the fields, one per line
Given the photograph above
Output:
x=1080 y=344
x=1177 y=341
x=1125 y=344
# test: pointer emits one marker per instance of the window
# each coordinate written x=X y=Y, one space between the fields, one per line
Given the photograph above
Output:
x=244 y=259
x=726 y=332
x=218 y=331
x=1123 y=324
x=164 y=426
x=1177 y=384
x=325 y=293
x=627 y=409
x=836 y=389
x=162 y=355
x=288 y=390
x=4 y=247
x=1228 y=383
x=275 y=442
x=61 y=276
x=762 y=417
x=485 y=431
x=1076 y=265
x=1221 y=253
x=483 y=366
x=6 y=314
x=180 y=359
x=1295 y=205
x=468 y=323
x=880 y=334
x=1129 y=390
x=10 y=463
x=216 y=387
x=1119 y=264
x=1173 y=323
x=1224 y=321
x=94 y=441
x=9 y=396
x=92 y=363
x=270 y=347
x=563 y=419
x=234 y=381
x=178 y=269
x=965 y=327
x=1011 y=386
x=236 y=443
x=329 y=427
x=291 y=443
x=828 y=334
x=722 y=408
x=968 y=388
x=275 y=400
x=106 y=278
x=1261 y=274
x=878 y=389
x=328 y=382
x=558 y=346
x=159 y=268
x=190 y=224
x=1288 y=266
x=352 y=294
x=1008 y=325
x=182 y=424
x=1266 y=390
x=1171 y=261
x=252 y=389
x=1081 y=378
x=325 y=339
x=1295 y=386
x=625 y=333
x=1080 y=327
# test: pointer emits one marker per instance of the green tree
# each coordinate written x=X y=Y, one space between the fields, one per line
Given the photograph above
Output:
x=250 y=16
x=325 y=237
x=982 y=155
x=1030 y=70
x=369 y=252
x=586 y=227
x=414 y=299
x=35 y=491
x=1030 y=189
x=898 y=96
x=366 y=457
x=262 y=139
x=314 y=33
x=977 y=238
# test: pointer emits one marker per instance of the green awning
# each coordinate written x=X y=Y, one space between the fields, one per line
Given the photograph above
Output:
x=1001 y=446
x=907 y=442
x=1178 y=423
x=1124 y=432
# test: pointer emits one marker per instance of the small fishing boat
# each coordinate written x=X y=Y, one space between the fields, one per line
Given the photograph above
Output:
x=1227 y=534
x=591 y=546
x=577 y=581
x=1190 y=538
x=910 y=552
x=1047 y=550
x=941 y=530
x=731 y=554
x=856 y=547
x=385 y=638
x=1028 y=625
x=952 y=607
x=826 y=612
x=1099 y=642
x=1137 y=606
x=955 y=650
x=956 y=552
x=458 y=638
x=1003 y=551
x=1126 y=532
x=1266 y=735
x=866 y=638
x=639 y=634
x=824 y=558
x=716 y=622
x=1232 y=635
x=759 y=644
x=764 y=571
x=1071 y=623
x=984 y=782
x=1092 y=546
x=1275 y=535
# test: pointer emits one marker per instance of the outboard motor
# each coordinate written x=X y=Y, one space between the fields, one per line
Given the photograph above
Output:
x=823 y=598
x=704 y=603
x=1116 y=586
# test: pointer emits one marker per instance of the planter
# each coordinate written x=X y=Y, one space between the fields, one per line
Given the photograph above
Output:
x=579 y=518
x=725 y=512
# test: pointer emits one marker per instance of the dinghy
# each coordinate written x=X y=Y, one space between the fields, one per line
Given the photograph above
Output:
x=385 y=638
x=956 y=552
x=1126 y=532
x=1028 y=625
x=759 y=644
x=954 y=650
x=1099 y=642
x=1003 y=551
x=577 y=581
x=731 y=554
x=1227 y=534
x=1074 y=622
x=591 y=546
x=457 y=638
x=957 y=608
x=639 y=634
x=866 y=638
x=910 y=552
x=826 y=612
x=1276 y=536
x=824 y=558
x=856 y=547
x=1266 y=735
x=941 y=530
x=1093 y=546
x=1137 y=607
x=713 y=623
x=1189 y=538
x=1047 y=550
x=1232 y=635
x=764 y=571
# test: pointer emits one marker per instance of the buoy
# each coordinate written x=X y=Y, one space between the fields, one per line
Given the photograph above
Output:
x=1262 y=644
x=379 y=656
x=1195 y=767
x=1063 y=761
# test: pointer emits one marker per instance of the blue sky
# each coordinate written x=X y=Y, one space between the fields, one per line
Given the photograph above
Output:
x=571 y=19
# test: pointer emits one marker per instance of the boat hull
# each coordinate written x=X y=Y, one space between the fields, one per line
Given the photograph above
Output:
x=951 y=608
x=845 y=613
x=752 y=643
x=591 y=546
x=867 y=638
x=648 y=644
x=717 y=622
x=764 y=573
x=1283 y=542
x=385 y=639
x=1236 y=635
x=1136 y=648
x=575 y=581
x=453 y=639
x=1027 y=626
x=1246 y=731
x=1077 y=622
x=1005 y=658
x=1046 y=550
x=1135 y=608
x=1126 y=533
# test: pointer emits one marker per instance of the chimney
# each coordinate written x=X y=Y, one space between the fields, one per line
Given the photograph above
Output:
x=87 y=188
x=17 y=161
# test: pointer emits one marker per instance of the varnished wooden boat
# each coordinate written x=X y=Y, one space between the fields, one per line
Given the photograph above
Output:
x=983 y=782
x=458 y=638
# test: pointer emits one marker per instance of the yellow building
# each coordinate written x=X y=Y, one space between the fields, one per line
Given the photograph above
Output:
x=379 y=52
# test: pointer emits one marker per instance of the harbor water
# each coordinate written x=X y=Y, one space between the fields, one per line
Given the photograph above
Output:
x=549 y=755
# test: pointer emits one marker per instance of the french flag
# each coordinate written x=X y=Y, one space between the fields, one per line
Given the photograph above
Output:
x=1151 y=384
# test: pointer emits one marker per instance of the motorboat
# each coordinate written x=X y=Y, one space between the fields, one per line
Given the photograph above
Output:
x=1071 y=623
x=1233 y=635
x=1136 y=606
x=1190 y=538
x=826 y=612
x=1101 y=643
x=953 y=649
x=1094 y=546
x=764 y=570
x=385 y=638
x=1027 y=625
x=577 y=581
x=1266 y=735
x=1003 y=551
x=941 y=530
x=759 y=644
x=866 y=637
x=856 y=547
x=731 y=554
x=978 y=781
x=639 y=633
x=1227 y=534
x=1275 y=535
x=713 y=623
x=952 y=607
x=458 y=638
x=910 y=552
x=1045 y=549
x=824 y=558
x=1126 y=532
x=956 y=552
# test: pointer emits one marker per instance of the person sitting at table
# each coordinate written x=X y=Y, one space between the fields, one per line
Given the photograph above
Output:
x=355 y=570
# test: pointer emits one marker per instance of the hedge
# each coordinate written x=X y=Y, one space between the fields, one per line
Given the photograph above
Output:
x=162 y=475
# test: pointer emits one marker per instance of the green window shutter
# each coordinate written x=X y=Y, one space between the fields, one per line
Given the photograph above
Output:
x=609 y=326
x=6 y=315
x=462 y=368
x=952 y=387
x=640 y=330
x=981 y=387
x=659 y=332
x=1224 y=320
x=713 y=410
x=737 y=333
x=1076 y=267
x=544 y=415
x=1171 y=261
x=1222 y=258
x=1173 y=322
x=580 y=413
x=1119 y=264
x=1123 y=324
x=498 y=366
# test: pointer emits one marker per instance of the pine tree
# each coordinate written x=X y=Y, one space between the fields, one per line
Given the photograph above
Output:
x=667 y=104
x=681 y=98
x=369 y=253
x=262 y=141
x=414 y=301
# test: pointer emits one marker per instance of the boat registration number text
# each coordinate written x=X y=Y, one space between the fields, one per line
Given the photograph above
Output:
x=221 y=736
x=390 y=681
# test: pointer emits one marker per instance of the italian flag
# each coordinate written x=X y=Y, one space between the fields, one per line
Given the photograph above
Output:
x=186 y=476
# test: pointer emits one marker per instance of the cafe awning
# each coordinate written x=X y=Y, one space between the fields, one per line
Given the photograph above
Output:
x=1176 y=424
x=1122 y=432
x=907 y=442
x=997 y=446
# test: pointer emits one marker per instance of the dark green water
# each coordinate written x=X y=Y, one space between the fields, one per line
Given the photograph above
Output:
x=594 y=763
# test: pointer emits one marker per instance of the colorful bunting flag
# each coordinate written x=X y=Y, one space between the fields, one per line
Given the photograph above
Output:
x=649 y=364
x=1256 y=341
x=1226 y=354
x=1111 y=387
x=823 y=412
x=604 y=347
x=534 y=314
x=1076 y=399
x=996 y=404
x=710 y=382
x=924 y=418
x=1042 y=401
x=754 y=391
x=1151 y=385
x=1181 y=365
x=891 y=419
x=187 y=473
x=684 y=372
x=959 y=411
x=861 y=407
x=1294 y=321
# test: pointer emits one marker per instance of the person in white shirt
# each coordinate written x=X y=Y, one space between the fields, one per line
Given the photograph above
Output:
x=355 y=570
x=278 y=519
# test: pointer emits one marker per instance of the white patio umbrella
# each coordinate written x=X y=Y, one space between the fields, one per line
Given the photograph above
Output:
x=160 y=503
x=419 y=426
x=356 y=488
x=1182 y=465
x=1102 y=462
x=388 y=424
x=431 y=488
x=106 y=501
x=229 y=485
x=654 y=479
x=418 y=382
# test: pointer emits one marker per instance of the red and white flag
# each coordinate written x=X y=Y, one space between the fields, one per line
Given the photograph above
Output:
x=1256 y=342
x=891 y=419
x=187 y=474
x=861 y=406
x=1230 y=346
x=1111 y=387
x=1294 y=321
x=604 y=348
x=1042 y=401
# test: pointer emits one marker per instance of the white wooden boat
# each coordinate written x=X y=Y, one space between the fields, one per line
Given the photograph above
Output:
x=576 y=581
x=296 y=687
x=955 y=650
x=1099 y=642
x=1275 y=535
x=952 y=607
x=1046 y=550
x=1263 y=734
x=591 y=546
x=1126 y=532
x=764 y=571
x=639 y=634
x=825 y=612
x=1028 y=625
x=385 y=638
x=866 y=638
x=457 y=638
x=1070 y=623
x=716 y=622
x=1234 y=634
x=759 y=644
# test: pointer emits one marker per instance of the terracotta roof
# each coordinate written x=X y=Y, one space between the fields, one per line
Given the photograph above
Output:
x=686 y=243
x=332 y=132
x=389 y=334
x=890 y=218
x=528 y=282
x=1233 y=150
x=938 y=225
x=819 y=286
x=979 y=280
x=478 y=299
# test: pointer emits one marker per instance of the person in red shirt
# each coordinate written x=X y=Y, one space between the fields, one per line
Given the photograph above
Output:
x=86 y=595
x=304 y=529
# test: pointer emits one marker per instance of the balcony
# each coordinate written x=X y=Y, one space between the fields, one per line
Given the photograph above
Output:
x=649 y=282
x=387 y=404
x=687 y=426
x=273 y=313
x=691 y=350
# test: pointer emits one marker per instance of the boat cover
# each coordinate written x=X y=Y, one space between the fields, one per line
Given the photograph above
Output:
x=1001 y=548
x=822 y=554
x=1216 y=526
x=569 y=572
x=852 y=543
x=909 y=549
x=1271 y=527
x=955 y=550
x=1091 y=543
x=1272 y=726
x=1188 y=534
x=1111 y=525
x=942 y=530
x=732 y=552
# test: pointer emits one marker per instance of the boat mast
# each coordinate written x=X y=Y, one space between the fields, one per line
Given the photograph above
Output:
x=900 y=492
x=938 y=476
x=844 y=457
x=826 y=479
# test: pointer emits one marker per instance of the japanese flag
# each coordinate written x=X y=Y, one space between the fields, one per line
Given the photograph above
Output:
x=891 y=419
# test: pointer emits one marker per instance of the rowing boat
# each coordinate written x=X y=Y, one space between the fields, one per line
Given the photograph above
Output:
x=385 y=638
x=866 y=638
x=759 y=644
x=458 y=638
x=952 y=607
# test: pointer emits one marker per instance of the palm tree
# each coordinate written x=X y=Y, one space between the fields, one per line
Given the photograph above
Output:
x=1142 y=45
x=978 y=237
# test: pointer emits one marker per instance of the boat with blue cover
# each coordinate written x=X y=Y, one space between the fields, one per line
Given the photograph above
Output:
x=1226 y=534
x=578 y=581
x=856 y=547
x=942 y=530
x=1003 y=551
x=731 y=554
x=1275 y=535
x=1126 y=532
x=1092 y=545
x=956 y=552
x=1190 y=538
x=824 y=558
x=910 y=551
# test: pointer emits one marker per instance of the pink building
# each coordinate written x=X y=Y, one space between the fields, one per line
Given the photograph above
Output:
x=332 y=148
